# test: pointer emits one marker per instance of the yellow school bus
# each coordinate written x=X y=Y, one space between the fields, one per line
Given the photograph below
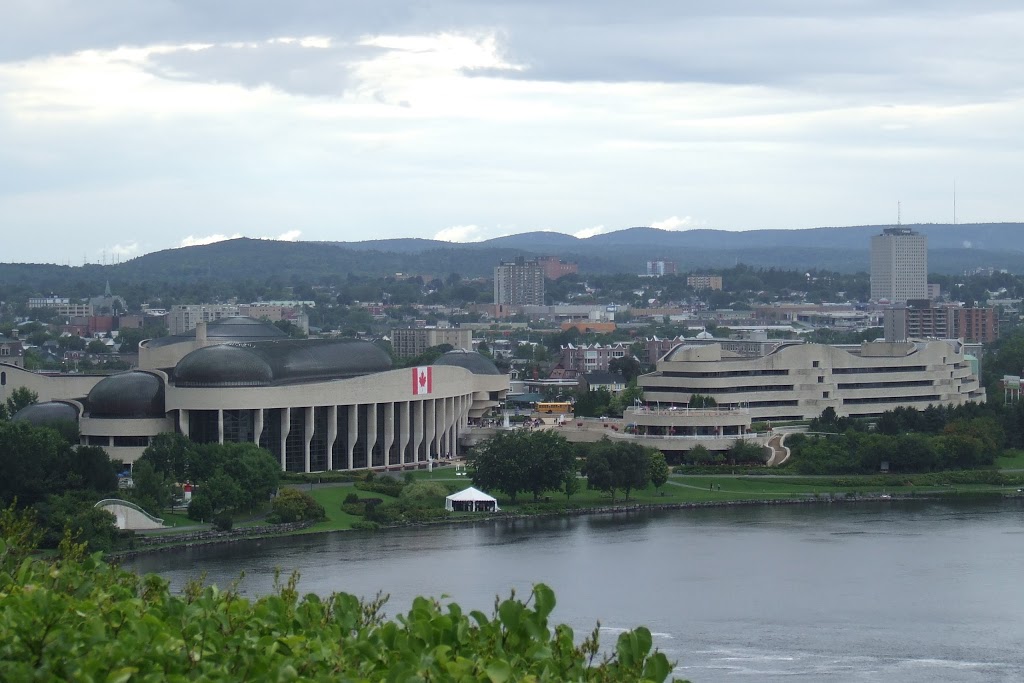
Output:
x=554 y=408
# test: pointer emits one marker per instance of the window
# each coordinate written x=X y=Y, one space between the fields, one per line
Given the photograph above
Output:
x=821 y=380
x=815 y=363
x=824 y=394
x=5 y=350
x=3 y=379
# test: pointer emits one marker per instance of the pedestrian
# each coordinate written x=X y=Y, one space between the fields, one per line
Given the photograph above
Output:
x=711 y=487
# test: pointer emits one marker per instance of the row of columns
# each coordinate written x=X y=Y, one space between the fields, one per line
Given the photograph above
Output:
x=433 y=422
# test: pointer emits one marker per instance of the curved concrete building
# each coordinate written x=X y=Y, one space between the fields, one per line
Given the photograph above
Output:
x=315 y=404
x=796 y=381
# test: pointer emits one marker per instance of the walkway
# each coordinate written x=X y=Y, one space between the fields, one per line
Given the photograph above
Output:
x=780 y=453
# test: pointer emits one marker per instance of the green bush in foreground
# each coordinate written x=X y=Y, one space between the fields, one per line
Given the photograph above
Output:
x=77 y=618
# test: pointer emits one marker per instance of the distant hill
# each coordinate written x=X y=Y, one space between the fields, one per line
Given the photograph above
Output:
x=952 y=249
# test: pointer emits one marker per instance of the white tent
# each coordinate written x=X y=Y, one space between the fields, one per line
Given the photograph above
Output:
x=471 y=500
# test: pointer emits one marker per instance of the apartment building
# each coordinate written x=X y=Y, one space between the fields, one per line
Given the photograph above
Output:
x=407 y=342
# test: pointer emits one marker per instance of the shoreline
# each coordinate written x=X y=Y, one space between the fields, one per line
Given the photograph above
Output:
x=199 y=539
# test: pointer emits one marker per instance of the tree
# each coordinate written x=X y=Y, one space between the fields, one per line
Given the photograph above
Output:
x=520 y=462
x=22 y=397
x=745 y=452
x=152 y=490
x=627 y=367
x=97 y=346
x=618 y=465
x=659 y=469
x=571 y=486
x=169 y=453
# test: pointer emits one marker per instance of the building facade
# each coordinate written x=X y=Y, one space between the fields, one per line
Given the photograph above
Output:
x=922 y=319
x=555 y=267
x=659 y=268
x=798 y=381
x=899 y=265
x=408 y=342
x=519 y=283
x=592 y=357
x=184 y=317
x=699 y=282
x=315 y=404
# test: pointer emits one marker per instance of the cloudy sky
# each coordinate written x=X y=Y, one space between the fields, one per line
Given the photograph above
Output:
x=128 y=126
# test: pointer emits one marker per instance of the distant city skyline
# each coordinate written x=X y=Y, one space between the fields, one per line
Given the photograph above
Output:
x=132 y=127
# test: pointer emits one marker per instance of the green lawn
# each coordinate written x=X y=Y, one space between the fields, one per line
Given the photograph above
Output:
x=331 y=498
x=1011 y=460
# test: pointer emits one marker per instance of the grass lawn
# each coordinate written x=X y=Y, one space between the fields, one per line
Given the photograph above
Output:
x=176 y=519
x=1011 y=460
x=332 y=498
x=446 y=474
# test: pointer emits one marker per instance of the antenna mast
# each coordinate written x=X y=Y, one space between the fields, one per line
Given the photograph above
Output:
x=899 y=208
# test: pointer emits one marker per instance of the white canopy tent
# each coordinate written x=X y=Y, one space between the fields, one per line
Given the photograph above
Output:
x=471 y=500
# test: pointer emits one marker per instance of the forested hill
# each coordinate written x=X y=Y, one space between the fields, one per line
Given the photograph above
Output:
x=952 y=249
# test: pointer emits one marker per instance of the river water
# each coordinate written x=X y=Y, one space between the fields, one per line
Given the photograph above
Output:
x=894 y=591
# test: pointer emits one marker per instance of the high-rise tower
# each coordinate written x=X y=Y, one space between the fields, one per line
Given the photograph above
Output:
x=899 y=265
x=519 y=283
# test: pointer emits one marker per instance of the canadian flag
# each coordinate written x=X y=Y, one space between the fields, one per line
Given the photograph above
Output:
x=422 y=380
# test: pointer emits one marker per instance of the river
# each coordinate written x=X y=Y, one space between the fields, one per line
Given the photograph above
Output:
x=894 y=591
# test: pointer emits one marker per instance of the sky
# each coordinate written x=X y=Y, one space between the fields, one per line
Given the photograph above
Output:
x=130 y=126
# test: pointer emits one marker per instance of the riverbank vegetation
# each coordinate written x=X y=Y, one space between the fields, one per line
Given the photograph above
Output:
x=75 y=617
x=905 y=440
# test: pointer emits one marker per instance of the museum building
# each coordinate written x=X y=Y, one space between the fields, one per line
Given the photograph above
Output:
x=315 y=404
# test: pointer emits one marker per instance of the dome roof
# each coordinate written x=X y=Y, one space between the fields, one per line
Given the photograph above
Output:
x=227 y=330
x=470 y=360
x=279 y=362
x=126 y=395
x=47 y=413
x=223 y=365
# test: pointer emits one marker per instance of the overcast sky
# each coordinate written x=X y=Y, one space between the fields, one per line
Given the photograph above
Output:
x=129 y=126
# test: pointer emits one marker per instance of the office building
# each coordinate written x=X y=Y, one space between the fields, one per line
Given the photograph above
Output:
x=899 y=265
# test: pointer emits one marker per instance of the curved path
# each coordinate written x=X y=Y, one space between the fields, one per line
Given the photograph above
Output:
x=780 y=453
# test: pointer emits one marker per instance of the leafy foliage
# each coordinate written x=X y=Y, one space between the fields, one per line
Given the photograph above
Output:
x=293 y=505
x=618 y=466
x=523 y=462
x=78 y=618
x=231 y=476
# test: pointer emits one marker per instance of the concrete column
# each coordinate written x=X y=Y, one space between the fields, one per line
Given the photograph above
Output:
x=286 y=426
x=441 y=419
x=389 y=431
x=403 y=436
x=353 y=429
x=309 y=436
x=220 y=426
x=417 y=429
x=371 y=432
x=332 y=434
x=429 y=425
x=183 y=421
x=257 y=426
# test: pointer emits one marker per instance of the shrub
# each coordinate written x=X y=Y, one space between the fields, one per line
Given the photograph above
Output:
x=223 y=522
x=384 y=485
x=292 y=505
x=351 y=498
x=363 y=525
